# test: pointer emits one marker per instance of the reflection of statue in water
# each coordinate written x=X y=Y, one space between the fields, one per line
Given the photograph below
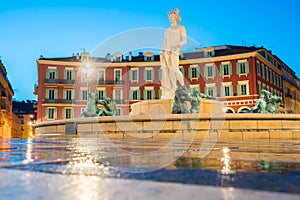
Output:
x=109 y=109
x=92 y=110
x=174 y=38
x=266 y=103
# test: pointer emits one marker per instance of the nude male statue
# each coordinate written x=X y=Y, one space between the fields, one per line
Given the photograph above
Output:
x=174 y=38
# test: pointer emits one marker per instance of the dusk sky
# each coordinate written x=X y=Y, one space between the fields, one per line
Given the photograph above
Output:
x=57 y=28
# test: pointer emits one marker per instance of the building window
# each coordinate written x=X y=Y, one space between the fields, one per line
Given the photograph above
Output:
x=51 y=73
x=101 y=94
x=68 y=113
x=133 y=75
x=211 y=91
x=263 y=70
x=68 y=74
x=258 y=67
x=117 y=75
x=134 y=94
x=51 y=94
x=194 y=71
x=117 y=95
x=226 y=70
x=68 y=94
x=266 y=73
x=51 y=113
x=210 y=71
x=101 y=75
x=243 y=90
x=242 y=67
x=227 y=91
x=148 y=74
x=84 y=95
x=149 y=94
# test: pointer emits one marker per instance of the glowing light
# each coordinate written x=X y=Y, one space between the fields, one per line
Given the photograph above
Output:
x=226 y=160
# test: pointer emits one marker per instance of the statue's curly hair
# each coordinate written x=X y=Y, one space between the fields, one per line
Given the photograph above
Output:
x=176 y=13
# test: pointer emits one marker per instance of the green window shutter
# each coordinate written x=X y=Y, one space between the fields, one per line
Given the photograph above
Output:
x=64 y=113
x=159 y=93
x=182 y=71
x=55 y=113
x=238 y=68
x=65 y=74
x=215 y=92
x=72 y=112
x=206 y=90
x=222 y=91
x=159 y=74
x=145 y=94
x=239 y=89
x=145 y=75
x=55 y=94
x=198 y=71
x=205 y=71
x=221 y=70
x=47 y=94
x=230 y=68
x=214 y=70
x=152 y=94
x=247 y=67
x=231 y=90
x=152 y=74
x=138 y=94
x=190 y=72
x=130 y=94
x=130 y=75
x=73 y=74
x=47 y=73
x=73 y=94
x=47 y=113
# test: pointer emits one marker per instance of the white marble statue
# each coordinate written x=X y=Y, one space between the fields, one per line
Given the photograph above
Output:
x=174 y=38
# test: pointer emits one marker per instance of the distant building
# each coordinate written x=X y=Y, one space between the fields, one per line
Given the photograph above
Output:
x=6 y=116
x=25 y=111
x=233 y=74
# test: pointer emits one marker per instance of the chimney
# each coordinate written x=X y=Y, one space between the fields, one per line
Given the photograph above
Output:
x=130 y=56
x=77 y=56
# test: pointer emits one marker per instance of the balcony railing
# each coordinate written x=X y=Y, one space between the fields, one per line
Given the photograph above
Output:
x=59 y=81
x=110 y=82
x=62 y=101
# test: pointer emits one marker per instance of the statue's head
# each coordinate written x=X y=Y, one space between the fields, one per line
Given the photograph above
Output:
x=174 y=15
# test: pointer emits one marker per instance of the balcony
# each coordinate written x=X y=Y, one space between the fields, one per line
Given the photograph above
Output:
x=60 y=101
x=110 y=82
x=59 y=81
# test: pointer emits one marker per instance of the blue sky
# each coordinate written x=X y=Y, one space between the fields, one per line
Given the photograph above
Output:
x=57 y=28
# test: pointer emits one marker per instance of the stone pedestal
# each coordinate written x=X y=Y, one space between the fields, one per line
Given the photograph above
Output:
x=164 y=106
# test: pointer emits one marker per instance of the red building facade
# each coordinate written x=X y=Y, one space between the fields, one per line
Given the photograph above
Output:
x=233 y=74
